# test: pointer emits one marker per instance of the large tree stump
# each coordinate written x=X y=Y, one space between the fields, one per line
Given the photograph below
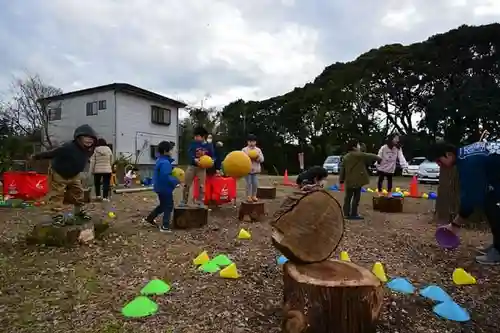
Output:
x=388 y=204
x=189 y=217
x=329 y=297
x=308 y=227
x=48 y=234
x=251 y=211
x=266 y=192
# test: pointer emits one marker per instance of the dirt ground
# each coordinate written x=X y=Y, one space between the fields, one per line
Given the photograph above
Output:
x=83 y=289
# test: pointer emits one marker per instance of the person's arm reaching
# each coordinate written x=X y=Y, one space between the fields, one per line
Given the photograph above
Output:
x=473 y=184
x=192 y=154
x=46 y=155
x=260 y=159
x=166 y=173
x=402 y=159
x=371 y=157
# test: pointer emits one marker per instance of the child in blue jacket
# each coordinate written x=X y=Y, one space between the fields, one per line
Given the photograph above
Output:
x=478 y=168
x=164 y=185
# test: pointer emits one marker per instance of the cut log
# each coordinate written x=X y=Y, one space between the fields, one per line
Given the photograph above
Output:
x=189 y=217
x=308 y=227
x=48 y=234
x=388 y=204
x=330 y=296
x=266 y=192
x=70 y=201
x=251 y=211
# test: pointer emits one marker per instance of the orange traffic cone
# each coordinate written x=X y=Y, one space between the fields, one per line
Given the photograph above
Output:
x=414 y=187
x=286 y=180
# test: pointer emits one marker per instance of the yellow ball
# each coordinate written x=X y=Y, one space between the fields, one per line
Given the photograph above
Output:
x=206 y=162
x=253 y=154
x=178 y=173
x=237 y=164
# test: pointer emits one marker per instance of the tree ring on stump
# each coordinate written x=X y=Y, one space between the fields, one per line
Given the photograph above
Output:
x=308 y=227
x=189 y=217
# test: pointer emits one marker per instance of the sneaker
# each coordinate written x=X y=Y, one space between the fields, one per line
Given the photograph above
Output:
x=255 y=199
x=165 y=230
x=105 y=199
x=182 y=203
x=492 y=257
x=249 y=199
x=356 y=217
x=82 y=214
x=58 y=220
x=98 y=198
x=152 y=223
x=484 y=249
x=200 y=204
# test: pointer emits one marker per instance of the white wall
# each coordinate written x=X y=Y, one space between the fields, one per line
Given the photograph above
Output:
x=74 y=114
x=135 y=129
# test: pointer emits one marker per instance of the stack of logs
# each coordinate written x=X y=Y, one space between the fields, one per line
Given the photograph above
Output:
x=321 y=295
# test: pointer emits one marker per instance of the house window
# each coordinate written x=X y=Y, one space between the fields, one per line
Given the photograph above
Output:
x=92 y=109
x=102 y=105
x=153 y=151
x=160 y=115
x=55 y=114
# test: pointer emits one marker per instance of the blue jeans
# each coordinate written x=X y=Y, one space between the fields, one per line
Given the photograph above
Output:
x=252 y=184
x=166 y=207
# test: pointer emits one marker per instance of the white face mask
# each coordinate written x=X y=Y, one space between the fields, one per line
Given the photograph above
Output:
x=209 y=140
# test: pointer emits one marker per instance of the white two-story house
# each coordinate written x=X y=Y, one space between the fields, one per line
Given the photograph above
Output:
x=132 y=120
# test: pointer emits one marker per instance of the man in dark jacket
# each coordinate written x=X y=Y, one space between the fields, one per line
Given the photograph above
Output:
x=478 y=168
x=67 y=162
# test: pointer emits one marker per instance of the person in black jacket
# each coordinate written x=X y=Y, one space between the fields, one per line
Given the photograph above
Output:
x=67 y=162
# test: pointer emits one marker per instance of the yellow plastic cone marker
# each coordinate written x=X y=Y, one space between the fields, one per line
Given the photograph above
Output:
x=425 y=196
x=344 y=256
x=461 y=277
x=201 y=259
x=406 y=193
x=384 y=191
x=243 y=234
x=369 y=190
x=379 y=272
x=230 y=272
x=398 y=189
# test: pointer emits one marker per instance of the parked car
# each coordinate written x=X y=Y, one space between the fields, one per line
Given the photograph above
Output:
x=332 y=164
x=413 y=166
x=428 y=172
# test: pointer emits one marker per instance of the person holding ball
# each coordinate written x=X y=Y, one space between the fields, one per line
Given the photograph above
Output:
x=256 y=156
x=477 y=165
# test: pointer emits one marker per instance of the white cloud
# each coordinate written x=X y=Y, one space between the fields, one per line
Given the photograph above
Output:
x=228 y=48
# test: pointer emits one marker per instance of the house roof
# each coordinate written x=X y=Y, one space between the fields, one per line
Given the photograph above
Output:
x=117 y=87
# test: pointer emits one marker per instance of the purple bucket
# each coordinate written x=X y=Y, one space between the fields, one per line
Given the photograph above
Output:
x=447 y=239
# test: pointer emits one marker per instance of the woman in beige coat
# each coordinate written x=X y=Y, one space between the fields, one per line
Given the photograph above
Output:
x=100 y=165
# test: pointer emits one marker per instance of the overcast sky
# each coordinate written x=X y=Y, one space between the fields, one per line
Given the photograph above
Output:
x=225 y=49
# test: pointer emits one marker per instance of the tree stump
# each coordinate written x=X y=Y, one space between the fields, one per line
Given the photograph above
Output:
x=48 y=234
x=189 y=217
x=330 y=296
x=308 y=227
x=388 y=204
x=251 y=211
x=266 y=192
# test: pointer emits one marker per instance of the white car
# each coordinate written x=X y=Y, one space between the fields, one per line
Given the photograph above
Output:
x=413 y=166
x=332 y=164
x=428 y=172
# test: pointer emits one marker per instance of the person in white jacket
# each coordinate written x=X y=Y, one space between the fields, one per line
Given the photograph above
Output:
x=252 y=179
x=390 y=153
x=101 y=166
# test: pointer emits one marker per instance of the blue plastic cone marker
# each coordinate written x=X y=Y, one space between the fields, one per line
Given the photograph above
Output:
x=333 y=188
x=281 y=260
x=363 y=190
x=397 y=194
x=435 y=293
x=451 y=311
x=401 y=285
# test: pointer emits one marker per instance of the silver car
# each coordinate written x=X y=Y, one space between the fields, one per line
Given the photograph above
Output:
x=332 y=164
x=428 y=172
x=413 y=166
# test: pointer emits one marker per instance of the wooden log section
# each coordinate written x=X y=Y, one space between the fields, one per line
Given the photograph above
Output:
x=388 y=204
x=330 y=296
x=46 y=233
x=308 y=227
x=266 y=192
x=251 y=211
x=189 y=217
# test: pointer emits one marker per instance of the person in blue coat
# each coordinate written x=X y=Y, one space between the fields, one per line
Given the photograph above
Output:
x=478 y=168
x=164 y=184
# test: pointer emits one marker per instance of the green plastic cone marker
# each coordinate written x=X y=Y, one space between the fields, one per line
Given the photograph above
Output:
x=155 y=287
x=209 y=267
x=222 y=260
x=140 y=307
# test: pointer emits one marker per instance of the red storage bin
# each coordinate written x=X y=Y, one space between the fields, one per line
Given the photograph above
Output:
x=218 y=190
x=25 y=185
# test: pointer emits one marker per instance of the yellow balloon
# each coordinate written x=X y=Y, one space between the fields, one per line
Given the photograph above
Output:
x=253 y=154
x=206 y=162
x=237 y=164
x=178 y=173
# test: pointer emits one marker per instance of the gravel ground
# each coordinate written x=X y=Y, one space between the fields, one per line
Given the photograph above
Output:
x=83 y=289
